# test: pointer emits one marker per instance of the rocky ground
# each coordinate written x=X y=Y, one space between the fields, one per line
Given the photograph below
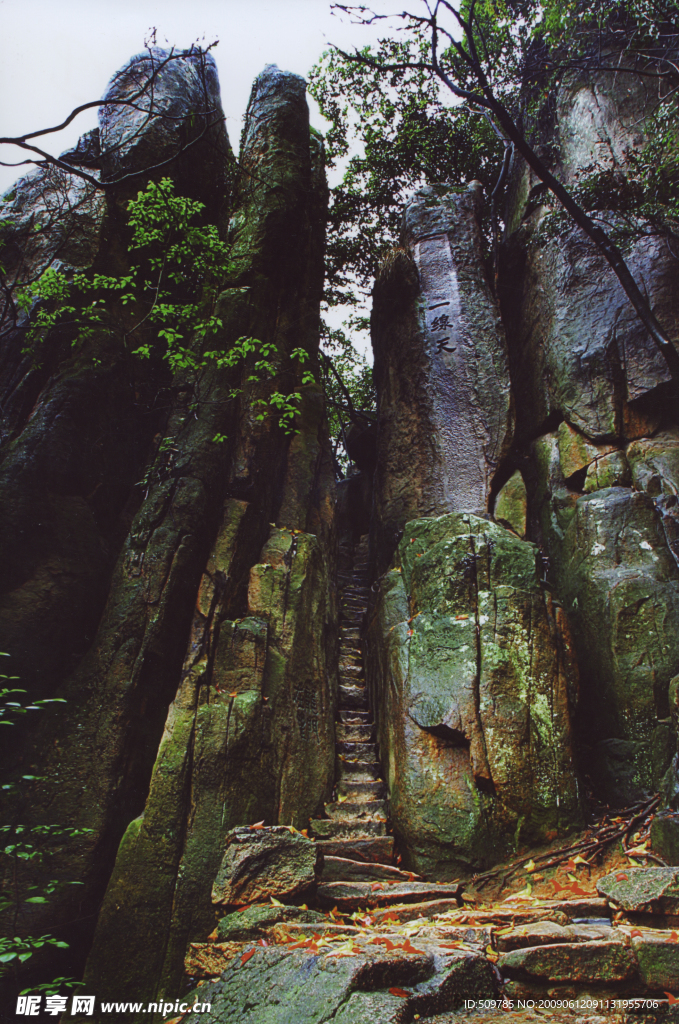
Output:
x=555 y=935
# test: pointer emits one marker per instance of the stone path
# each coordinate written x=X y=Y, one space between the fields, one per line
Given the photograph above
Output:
x=353 y=838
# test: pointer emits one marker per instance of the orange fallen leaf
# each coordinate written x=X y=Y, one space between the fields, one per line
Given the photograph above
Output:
x=577 y=890
x=399 y=992
x=674 y=937
x=246 y=907
x=622 y=877
x=375 y=886
x=246 y=956
x=635 y=931
x=213 y=935
x=258 y=824
x=671 y=999
x=262 y=942
x=451 y=945
x=557 y=885
x=408 y=947
x=234 y=694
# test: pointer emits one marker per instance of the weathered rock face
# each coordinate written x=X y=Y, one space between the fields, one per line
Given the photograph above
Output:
x=78 y=427
x=259 y=863
x=445 y=411
x=602 y=487
x=576 y=346
x=174 y=111
x=654 y=890
x=620 y=584
x=206 y=697
x=276 y=986
x=473 y=679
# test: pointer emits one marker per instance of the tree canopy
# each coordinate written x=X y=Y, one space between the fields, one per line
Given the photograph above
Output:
x=452 y=89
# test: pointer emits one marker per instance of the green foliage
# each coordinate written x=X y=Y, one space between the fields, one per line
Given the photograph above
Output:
x=165 y=306
x=23 y=844
x=409 y=130
x=407 y=135
x=349 y=388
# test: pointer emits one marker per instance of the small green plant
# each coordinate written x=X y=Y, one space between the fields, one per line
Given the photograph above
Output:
x=23 y=844
x=165 y=306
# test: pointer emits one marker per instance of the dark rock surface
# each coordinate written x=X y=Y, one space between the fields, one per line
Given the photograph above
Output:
x=441 y=372
x=273 y=862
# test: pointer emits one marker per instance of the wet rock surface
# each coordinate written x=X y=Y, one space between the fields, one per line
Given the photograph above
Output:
x=472 y=673
x=272 y=862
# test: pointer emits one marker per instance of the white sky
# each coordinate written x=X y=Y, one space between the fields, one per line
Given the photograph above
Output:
x=57 y=54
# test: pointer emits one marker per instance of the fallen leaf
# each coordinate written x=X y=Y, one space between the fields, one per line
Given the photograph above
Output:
x=671 y=999
x=275 y=902
x=674 y=937
x=375 y=886
x=399 y=992
x=458 y=617
x=246 y=907
x=262 y=942
x=635 y=932
x=407 y=947
x=577 y=890
x=235 y=694
x=246 y=956
x=622 y=877
x=530 y=865
x=259 y=824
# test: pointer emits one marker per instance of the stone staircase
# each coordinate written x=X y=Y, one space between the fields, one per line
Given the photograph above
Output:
x=353 y=837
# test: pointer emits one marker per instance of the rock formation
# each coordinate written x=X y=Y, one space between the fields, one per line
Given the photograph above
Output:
x=444 y=397
x=201 y=694
x=341 y=699
x=597 y=419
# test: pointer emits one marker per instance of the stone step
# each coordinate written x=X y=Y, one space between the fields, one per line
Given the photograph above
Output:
x=368 y=789
x=353 y=697
x=357 y=771
x=352 y=655
x=353 y=671
x=352 y=619
x=353 y=895
x=354 y=732
x=329 y=828
x=342 y=869
x=359 y=751
x=372 y=850
x=355 y=716
x=367 y=809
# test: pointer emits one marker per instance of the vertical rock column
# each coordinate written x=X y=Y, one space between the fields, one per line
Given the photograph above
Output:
x=441 y=371
x=580 y=355
x=220 y=605
x=250 y=734
x=469 y=661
